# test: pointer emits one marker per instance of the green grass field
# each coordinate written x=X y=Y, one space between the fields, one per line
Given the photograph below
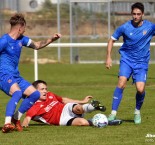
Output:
x=77 y=81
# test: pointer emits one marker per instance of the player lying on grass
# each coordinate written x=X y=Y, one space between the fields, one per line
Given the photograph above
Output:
x=55 y=110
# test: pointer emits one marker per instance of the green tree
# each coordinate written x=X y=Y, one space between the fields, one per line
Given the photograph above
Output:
x=48 y=10
x=47 y=5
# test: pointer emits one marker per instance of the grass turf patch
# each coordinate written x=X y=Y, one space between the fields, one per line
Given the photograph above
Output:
x=77 y=81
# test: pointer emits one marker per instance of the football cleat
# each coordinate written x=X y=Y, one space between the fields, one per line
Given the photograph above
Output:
x=17 y=124
x=90 y=122
x=115 y=122
x=111 y=117
x=137 y=119
x=97 y=105
x=8 y=128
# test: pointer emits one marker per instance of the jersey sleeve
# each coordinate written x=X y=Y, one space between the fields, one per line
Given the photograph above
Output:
x=57 y=97
x=32 y=111
x=118 y=33
x=3 y=44
x=26 y=41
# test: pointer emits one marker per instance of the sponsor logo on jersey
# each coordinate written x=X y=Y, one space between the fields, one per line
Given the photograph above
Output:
x=50 y=106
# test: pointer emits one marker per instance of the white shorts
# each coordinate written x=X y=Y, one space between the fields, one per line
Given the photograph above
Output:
x=67 y=114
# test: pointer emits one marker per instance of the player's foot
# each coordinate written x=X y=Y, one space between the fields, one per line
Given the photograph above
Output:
x=137 y=119
x=115 y=122
x=17 y=124
x=111 y=117
x=8 y=128
x=97 y=105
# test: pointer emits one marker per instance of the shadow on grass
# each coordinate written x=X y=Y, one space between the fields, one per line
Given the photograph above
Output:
x=128 y=120
x=39 y=124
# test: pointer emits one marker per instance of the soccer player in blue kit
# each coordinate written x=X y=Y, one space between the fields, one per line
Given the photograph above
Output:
x=135 y=54
x=10 y=80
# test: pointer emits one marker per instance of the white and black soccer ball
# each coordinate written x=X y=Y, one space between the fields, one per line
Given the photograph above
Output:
x=100 y=120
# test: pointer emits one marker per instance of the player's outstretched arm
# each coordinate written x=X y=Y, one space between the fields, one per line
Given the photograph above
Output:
x=68 y=100
x=41 y=44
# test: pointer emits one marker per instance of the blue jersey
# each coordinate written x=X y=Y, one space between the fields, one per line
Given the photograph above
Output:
x=10 y=51
x=136 y=46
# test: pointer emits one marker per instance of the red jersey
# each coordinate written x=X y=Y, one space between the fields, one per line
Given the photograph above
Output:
x=50 y=109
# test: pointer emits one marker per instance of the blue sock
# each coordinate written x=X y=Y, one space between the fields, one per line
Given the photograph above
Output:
x=29 y=101
x=117 y=97
x=139 y=100
x=11 y=106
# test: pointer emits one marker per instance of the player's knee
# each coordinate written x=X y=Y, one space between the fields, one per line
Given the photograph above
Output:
x=140 y=86
x=140 y=91
x=121 y=85
x=77 y=109
x=83 y=122
x=122 y=82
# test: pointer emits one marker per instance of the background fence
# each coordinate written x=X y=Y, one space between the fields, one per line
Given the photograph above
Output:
x=79 y=21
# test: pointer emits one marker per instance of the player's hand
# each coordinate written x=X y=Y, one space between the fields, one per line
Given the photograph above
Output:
x=25 y=126
x=87 y=99
x=56 y=36
x=108 y=63
x=26 y=121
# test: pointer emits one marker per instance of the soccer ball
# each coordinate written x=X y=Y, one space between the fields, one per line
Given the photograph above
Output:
x=100 y=120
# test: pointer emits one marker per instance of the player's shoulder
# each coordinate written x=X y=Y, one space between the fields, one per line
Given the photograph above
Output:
x=49 y=94
x=4 y=40
x=147 y=22
x=23 y=37
x=149 y=25
x=125 y=25
x=4 y=37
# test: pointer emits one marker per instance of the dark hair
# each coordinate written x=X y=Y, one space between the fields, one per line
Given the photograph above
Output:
x=17 y=19
x=138 y=5
x=35 y=83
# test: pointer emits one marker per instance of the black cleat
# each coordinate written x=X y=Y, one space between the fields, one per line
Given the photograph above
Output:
x=97 y=105
x=115 y=122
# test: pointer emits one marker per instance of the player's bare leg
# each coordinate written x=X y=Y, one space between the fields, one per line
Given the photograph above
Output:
x=80 y=122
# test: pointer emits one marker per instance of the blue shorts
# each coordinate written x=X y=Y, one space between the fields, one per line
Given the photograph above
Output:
x=138 y=71
x=7 y=80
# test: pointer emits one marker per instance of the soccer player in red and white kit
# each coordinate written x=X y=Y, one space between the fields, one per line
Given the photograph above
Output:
x=55 y=110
